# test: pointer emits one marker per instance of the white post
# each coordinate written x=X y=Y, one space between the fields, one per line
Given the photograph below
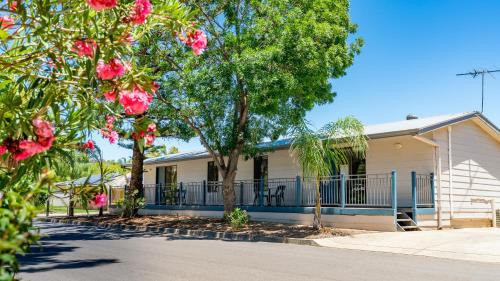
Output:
x=439 y=193
x=450 y=173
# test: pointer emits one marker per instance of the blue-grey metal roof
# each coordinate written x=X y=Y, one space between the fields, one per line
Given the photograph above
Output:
x=399 y=128
x=92 y=180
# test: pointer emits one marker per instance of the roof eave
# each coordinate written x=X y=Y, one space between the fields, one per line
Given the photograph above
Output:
x=392 y=134
x=454 y=121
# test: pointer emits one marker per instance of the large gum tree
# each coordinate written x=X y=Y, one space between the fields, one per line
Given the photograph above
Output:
x=267 y=64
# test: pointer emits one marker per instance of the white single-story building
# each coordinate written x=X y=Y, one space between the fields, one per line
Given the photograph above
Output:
x=114 y=182
x=404 y=182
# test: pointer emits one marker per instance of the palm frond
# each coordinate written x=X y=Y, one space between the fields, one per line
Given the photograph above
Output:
x=307 y=148
x=343 y=139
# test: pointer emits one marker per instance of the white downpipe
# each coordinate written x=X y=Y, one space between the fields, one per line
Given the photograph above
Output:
x=437 y=171
x=439 y=189
x=450 y=173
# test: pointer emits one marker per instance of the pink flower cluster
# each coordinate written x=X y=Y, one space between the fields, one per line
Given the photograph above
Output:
x=3 y=150
x=108 y=132
x=110 y=96
x=85 y=48
x=100 y=5
x=140 y=10
x=197 y=40
x=135 y=101
x=149 y=137
x=100 y=200
x=89 y=145
x=108 y=71
x=13 y=5
x=6 y=21
x=22 y=149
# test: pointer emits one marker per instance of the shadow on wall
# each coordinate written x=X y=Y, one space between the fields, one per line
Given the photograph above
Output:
x=476 y=167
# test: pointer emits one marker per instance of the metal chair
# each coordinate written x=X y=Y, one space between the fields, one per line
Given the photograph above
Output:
x=279 y=195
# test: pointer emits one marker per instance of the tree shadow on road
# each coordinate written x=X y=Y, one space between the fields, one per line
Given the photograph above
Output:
x=48 y=254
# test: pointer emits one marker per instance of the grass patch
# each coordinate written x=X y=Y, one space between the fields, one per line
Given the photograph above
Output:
x=64 y=210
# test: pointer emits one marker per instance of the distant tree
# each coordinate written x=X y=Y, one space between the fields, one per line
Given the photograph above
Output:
x=173 y=150
x=267 y=64
x=159 y=150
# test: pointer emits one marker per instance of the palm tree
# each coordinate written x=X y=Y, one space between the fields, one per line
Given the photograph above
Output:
x=336 y=142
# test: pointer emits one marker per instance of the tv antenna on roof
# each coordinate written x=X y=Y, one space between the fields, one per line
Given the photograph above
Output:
x=475 y=73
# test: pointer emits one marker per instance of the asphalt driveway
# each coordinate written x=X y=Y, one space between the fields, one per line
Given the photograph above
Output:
x=72 y=253
x=473 y=244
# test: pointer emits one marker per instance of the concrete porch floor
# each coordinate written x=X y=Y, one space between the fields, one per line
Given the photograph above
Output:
x=473 y=244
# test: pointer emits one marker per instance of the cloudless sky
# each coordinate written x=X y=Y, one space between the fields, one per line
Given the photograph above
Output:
x=412 y=51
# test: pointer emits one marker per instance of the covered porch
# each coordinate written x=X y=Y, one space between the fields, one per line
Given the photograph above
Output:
x=346 y=195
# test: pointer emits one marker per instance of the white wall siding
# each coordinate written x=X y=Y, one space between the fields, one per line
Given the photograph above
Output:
x=282 y=165
x=414 y=155
x=475 y=170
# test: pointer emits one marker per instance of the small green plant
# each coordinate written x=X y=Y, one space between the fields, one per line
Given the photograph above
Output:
x=238 y=218
x=131 y=204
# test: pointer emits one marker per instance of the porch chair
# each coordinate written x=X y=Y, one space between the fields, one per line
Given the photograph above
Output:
x=279 y=195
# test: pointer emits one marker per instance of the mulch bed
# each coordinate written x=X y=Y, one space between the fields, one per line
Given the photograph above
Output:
x=219 y=225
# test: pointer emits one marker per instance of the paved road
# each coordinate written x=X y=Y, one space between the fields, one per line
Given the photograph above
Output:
x=81 y=253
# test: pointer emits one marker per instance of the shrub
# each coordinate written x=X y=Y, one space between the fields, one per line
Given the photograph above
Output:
x=238 y=218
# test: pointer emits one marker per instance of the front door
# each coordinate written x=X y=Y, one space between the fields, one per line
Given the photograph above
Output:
x=259 y=173
x=166 y=181
x=260 y=168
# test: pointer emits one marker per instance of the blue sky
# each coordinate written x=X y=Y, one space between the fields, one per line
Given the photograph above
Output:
x=413 y=49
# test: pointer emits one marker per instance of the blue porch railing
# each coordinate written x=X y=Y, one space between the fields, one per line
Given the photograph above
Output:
x=422 y=192
x=357 y=191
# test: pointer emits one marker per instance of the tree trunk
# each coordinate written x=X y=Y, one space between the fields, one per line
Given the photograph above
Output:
x=317 y=210
x=229 y=193
x=136 y=174
x=71 y=204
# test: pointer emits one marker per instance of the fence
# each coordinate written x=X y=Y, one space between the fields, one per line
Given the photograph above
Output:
x=372 y=190
x=423 y=189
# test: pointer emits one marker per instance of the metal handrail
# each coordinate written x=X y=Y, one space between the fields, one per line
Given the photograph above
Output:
x=370 y=190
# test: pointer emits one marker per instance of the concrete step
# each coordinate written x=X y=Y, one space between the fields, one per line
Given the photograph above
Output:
x=405 y=227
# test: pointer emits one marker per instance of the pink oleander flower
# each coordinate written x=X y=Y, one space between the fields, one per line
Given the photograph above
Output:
x=109 y=134
x=3 y=149
x=110 y=96
x=114 y=68
x=151 y=128
x=150 y=139
x=110 y=119
x=89 y=145
x=100 y=5
x=6 y=21
x=100 y=200
x=13 y=5
x=28 y=148
x=140 y=10
x=43 y=129
x=45 y=143
x=136 y=101
x=197 y=41
x=85 y=48
x=113 y=137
